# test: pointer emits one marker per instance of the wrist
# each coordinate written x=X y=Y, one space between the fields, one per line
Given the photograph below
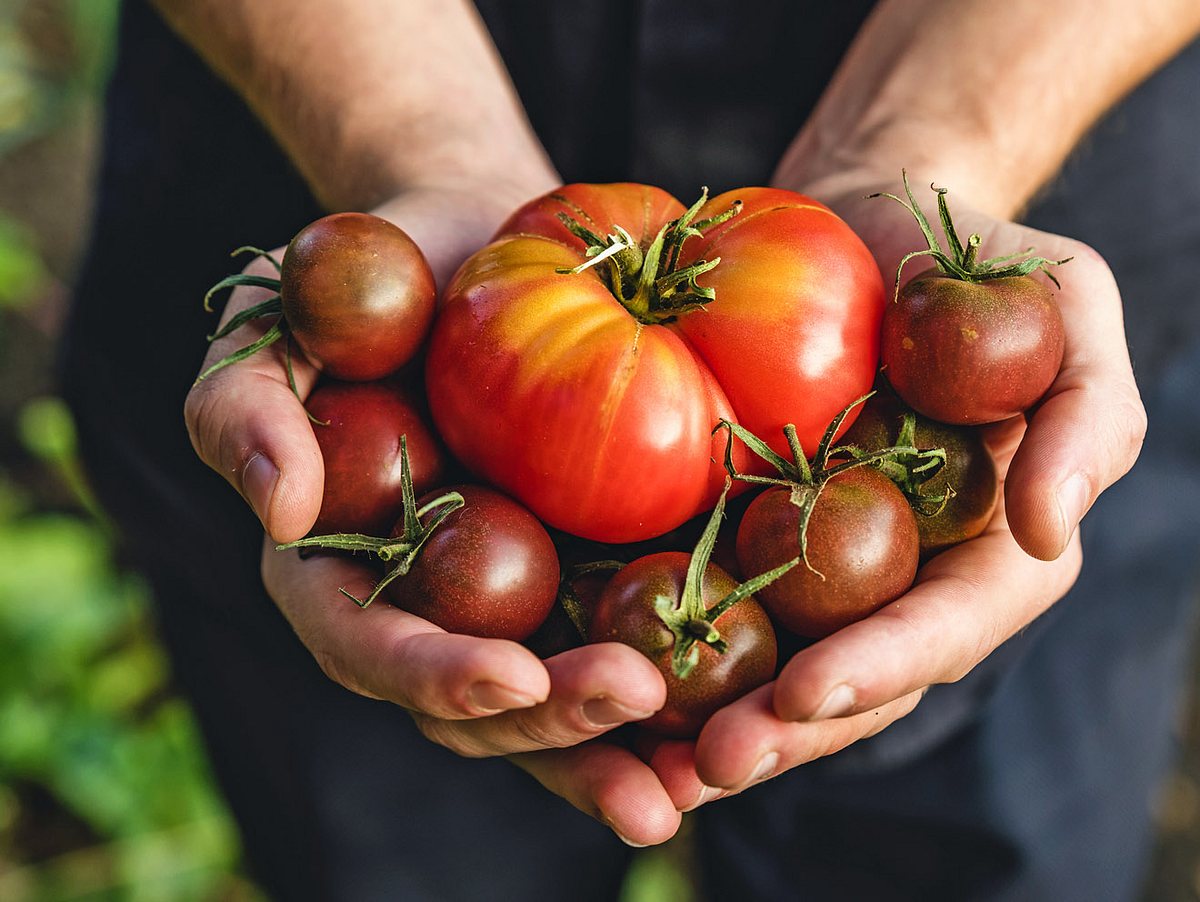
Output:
x=835 y=168
x=451 y=218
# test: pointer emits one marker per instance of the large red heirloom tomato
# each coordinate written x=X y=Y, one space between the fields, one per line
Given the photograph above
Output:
x=582 y=359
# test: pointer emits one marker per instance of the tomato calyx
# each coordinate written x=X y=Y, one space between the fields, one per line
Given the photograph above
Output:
x=400 y=551
x=910 y=472
x=962 y=262
x=649 y=282
x=806 y=479
x=687 y=618
x=272 y=306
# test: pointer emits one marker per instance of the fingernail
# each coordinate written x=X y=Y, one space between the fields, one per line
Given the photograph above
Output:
x=492 y=698
x=707 y=794
x=766 y=767
x=604 y=712
x=630 y=842
x=1072 y=503
x=258 y=483
x=837 y=703
x=607 y=821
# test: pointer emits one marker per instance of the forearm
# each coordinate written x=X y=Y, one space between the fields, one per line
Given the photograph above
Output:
x=374 y=99
x=987 y=98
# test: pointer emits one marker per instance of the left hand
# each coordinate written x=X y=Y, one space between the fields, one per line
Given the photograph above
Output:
x=1083 y=436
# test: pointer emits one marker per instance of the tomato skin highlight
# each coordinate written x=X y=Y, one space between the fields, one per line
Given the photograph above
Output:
x=969 y=353
x=489 y=570
x=358 y=295
x=546 y=386
x=626 y=613
x=360 y=445
x=862 y=537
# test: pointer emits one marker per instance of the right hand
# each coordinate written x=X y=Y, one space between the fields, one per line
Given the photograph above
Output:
x=477 y=697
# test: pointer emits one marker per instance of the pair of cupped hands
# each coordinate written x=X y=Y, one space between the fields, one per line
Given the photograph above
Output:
x=485 y=697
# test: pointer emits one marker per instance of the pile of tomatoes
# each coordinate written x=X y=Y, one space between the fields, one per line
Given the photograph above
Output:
x=532 y=455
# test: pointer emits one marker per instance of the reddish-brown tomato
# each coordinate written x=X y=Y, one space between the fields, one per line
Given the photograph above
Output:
x=358 y=295
x=862 y=538
x=360 y=444
x=627 y=612
x=488 y=570
x=971 y=353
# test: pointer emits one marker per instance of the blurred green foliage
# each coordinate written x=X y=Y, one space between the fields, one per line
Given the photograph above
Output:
x=92 y=742
x=22 y=273
x=104 y=789
x=52 y=53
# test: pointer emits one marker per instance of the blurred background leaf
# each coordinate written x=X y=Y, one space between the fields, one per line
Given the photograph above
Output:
x=104 y=788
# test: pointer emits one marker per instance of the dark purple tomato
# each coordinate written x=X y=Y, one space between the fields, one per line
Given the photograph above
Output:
x=626 y=613
x=862 y=538
x=969 y=470
x=972 y=352
x=358 y=295
x=488 y=570
x=360 y=445
x=558 y=631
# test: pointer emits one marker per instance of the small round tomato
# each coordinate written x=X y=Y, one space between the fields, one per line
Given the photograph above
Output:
x=862 y=550
x=359 y=430
x=973 y=340
x=969 y=472
x=972 y=352
x=489 y=569
x=629 y=611
x=357 y=294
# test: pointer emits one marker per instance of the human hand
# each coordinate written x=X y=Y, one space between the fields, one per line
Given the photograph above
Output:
x=1084 y=435
x=864 y=677
x=477 y=697
x=486 y=697
x=1087 y=430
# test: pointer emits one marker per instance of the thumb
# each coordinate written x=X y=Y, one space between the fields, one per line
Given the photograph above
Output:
x=1088 y=431
x=247 y=424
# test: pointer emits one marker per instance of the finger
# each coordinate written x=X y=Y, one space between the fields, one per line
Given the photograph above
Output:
x=674 y=762
x=610 y=784
x=592 y=690
x=745 y=743
x=384 y=652
x=1088 y=431
x=247 y=424
x=966 y=602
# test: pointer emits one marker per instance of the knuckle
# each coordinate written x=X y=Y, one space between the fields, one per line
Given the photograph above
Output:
x=957 y=659
x=1088 y=255
x=210 y=427
x=448 y=735
x=1129 y=424
x=198 y=413
x=539 y=733
x=332 y=668
x=416 y=684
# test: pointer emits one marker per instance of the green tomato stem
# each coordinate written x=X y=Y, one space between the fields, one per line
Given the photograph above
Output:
x=401 y=551
x=807 y=479
x=961 y=262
